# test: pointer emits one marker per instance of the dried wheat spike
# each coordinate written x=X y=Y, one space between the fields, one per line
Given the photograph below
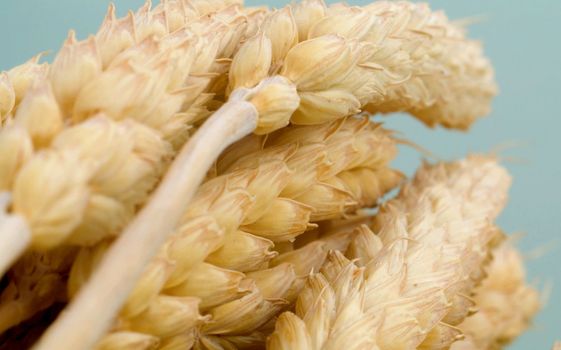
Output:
x=430 y=239
x=383 y=57
x=272 y=192
x=505 y=304
x=80 y=162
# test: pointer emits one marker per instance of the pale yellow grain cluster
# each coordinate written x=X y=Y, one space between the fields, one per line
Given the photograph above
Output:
x=281 y=221
x=167 y=64
x=505 y=304
x=383 y=57
x=91 y=134
x=419 y=268
x=86 y=139
x=267 y=191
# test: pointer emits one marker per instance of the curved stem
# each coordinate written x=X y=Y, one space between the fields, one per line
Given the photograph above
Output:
x=91 y=313
x=15 y=233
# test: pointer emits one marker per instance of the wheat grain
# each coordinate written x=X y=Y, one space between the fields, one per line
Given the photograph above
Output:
x=331 y=304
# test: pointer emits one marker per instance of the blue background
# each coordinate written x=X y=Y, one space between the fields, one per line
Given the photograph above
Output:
x=522 y=38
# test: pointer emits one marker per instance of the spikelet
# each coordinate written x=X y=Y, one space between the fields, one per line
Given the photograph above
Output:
x=505 y=304
x=383 y=57
x=100 y=157
x=431 y=237
x=18 y=80
x=255 y=201
x=331 y=304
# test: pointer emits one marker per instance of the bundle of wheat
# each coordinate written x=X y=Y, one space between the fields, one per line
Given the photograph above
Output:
x=188 y=213
x=272 y=102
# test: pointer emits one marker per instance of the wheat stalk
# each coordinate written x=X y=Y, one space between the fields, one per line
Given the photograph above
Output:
x=505 y=304
x=270 y=194
x=431 y=239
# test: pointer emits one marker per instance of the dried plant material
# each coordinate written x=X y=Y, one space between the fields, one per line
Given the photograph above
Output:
x=305 y=64
x=128 y=341
x=21 y=79
x=16 y=147
x=256 y=200
x=430 y=239
x=383 y=57
x=135 y=56
x=101 y=157
x=7 y=96
x=331 y=304
x=505 y=304
x=333 y=78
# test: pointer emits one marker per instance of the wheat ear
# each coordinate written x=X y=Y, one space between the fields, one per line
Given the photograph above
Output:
x=505 y=304
x=268 y=190
x=138 y=54
x=431 y=238
x=117 y=273
x=99 y=169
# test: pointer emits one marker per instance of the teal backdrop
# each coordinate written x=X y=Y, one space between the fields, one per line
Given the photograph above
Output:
x=523 y=40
